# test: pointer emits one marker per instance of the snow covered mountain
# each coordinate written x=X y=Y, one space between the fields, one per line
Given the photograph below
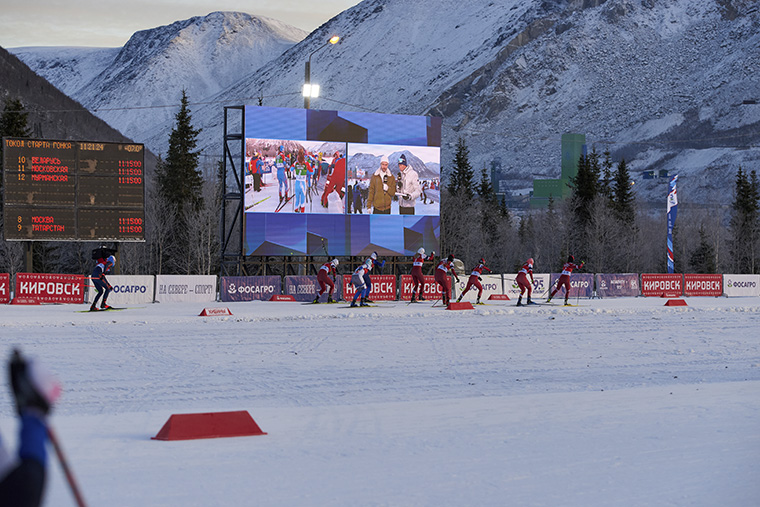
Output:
x=667 y=84
x=134 y=88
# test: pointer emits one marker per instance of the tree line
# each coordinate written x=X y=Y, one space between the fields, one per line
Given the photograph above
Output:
x=601 y=222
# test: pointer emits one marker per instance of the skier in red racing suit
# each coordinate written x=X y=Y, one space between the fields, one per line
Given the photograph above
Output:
x=564 y=279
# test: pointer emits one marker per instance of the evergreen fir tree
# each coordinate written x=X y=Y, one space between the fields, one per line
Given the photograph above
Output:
x=489 y=208
x=13 y=123
x=744 y=224
x=703 y=258
x=180 y=191
x=14 y=120
x=606 y=179
x=485 y=189
x=623 y=196
x=585 y=189
x=179 y=179
x=462 y=174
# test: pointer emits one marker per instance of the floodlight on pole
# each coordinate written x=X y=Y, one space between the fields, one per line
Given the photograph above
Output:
x=312 y=90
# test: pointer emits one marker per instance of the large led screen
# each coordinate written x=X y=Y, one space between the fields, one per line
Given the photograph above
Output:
x=340 y=183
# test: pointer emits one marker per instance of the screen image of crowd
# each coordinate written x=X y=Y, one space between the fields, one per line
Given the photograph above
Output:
x=327 y=168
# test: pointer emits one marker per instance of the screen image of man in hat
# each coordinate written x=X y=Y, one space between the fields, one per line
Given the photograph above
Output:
x=409 y=189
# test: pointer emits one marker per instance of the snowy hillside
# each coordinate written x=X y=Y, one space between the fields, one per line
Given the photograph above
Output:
x=671 y=83
x=667 y=84
x=202 y=55
x=620 y=402
x=637 y=76
x=68 y=68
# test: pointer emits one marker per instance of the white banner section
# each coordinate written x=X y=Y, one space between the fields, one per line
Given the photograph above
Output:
x=491 y=285
x=182 y=288
x=540 y=286
x=741 y=285
x=127 y=289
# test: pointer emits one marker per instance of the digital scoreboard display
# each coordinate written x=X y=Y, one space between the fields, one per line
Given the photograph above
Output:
x=73 y=190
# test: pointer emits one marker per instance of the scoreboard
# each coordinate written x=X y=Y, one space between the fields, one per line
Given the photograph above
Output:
x=73 y=190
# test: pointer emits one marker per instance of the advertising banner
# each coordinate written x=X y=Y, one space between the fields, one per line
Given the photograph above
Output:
x=383 y=288
x=617 y=285
x=5 y=288
x=703 y=285
x=249 y=288
x=672 y=214
x=581 y=285
x=741 y=285
x=668 y=285
x=540 y=285
x=185 y=288
x=49 y=288
x=127 y=289
x=306 y=288
x=491 y=285
x=431 y=290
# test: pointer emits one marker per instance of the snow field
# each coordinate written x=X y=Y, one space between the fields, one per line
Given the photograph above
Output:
x=617 y=402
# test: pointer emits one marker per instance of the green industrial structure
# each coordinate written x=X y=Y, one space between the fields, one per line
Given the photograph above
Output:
x=573 y=146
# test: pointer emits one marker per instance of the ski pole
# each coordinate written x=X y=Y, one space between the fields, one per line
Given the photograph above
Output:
x=66 y=469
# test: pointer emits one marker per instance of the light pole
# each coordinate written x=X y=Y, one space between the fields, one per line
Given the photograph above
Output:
x=310 y=90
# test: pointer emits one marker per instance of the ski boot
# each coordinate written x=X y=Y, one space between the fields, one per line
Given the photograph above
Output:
x=519 y=301
x=478 y=302
x=353 y=304
x=316 y=300
x=414 y=298
x=330 y=299
x=93 y=308
x=421 y=298
x=529 y=301
x=549 y=300
x=105 y=306
x=566 y=303
x=364 y=302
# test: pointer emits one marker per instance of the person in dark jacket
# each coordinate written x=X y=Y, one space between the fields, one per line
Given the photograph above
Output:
x=22 y=479
x=101 y=283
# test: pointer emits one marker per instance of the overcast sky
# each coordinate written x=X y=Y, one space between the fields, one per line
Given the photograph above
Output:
x=110 y=23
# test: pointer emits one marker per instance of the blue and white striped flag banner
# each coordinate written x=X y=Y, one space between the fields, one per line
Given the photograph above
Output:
x=672 y=212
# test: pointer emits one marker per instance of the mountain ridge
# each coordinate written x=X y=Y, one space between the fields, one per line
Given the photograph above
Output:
x=667 y=84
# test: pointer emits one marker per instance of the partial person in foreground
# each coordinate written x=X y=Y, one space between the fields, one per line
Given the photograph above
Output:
x=22 y=479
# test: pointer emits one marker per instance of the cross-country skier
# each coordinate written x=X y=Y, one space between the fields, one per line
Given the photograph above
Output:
x=281 y=163
x=323 y=277
x=442 y=277
x=101 y=283
x=301 y=169
x=417 y=277
x=475 y=280
x=564 y=279
x=522 y=280
x=337 y=179
x=357 y=280
x=372 y=262
x=22 y=480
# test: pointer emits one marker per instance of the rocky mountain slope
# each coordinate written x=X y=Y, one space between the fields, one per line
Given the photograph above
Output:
x=667 y=84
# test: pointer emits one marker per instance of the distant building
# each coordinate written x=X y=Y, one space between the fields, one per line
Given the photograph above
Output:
x=573 y=146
